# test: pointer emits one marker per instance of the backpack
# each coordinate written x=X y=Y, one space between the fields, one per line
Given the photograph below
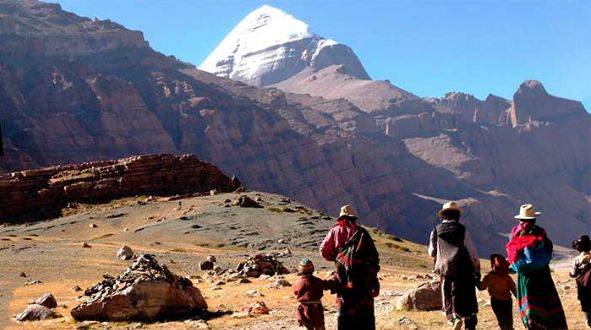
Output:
x=453 y=258
x=583 y=278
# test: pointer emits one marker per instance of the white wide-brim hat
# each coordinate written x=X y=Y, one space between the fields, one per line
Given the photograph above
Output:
x=527 y=212
x=449 y=206
x=347 y=211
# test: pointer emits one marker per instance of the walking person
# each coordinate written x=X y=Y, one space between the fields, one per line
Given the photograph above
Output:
x=357 y=264
x=500 y=287
x=308 y=290
x=581 y=271
x=529 y=251
x=457 y=263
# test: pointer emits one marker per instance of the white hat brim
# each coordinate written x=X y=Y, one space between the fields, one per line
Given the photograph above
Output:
x=527 y=218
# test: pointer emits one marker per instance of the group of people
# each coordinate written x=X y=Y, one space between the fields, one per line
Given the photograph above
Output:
x=456 y=261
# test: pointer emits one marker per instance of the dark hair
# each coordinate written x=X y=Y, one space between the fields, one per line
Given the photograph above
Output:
x=450 y=215
x=530 y=221
x=583 y=244
x=496 y=256
x=347 y=217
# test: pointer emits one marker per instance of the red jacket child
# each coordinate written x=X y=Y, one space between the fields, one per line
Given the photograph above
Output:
x=308 y=290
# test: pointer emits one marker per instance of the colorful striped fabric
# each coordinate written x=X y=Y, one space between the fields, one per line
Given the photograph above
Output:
x=538 y=301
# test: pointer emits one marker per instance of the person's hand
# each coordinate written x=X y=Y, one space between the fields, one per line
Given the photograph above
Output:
x=375 y=292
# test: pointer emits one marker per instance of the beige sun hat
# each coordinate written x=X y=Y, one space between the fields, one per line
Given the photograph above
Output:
x=348 y=211
x=527 y=212
x=449 y=206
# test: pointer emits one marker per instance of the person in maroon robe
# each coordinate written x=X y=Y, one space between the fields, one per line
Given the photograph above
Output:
x=357 y=263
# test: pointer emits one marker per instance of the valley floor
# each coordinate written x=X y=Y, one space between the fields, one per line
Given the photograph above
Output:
x=52 y=253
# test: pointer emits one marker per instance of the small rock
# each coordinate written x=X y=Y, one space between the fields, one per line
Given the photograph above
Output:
x=244 y=280
x=76 y=288
x=22 y=274
x=85 y=245
x=258 y=308
x=566 y=287
x=253 y=293
x=213 y=192
x=211 y=258
x=125 y=253
x=47 y=300
x=93 y=225
x=36 y=312
x=125 y=229
x=34 y=282
x=279 y=283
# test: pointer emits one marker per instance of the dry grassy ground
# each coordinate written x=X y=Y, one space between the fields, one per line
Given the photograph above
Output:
x=52 y=253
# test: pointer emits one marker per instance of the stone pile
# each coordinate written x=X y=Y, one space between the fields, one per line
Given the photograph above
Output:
x=262 y=264
x=146 y=291
x=41 y=193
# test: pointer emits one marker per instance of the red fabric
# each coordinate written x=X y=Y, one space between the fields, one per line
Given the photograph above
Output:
x=306 y=289
x=311 y=316
x=336 y=238
x=520 y=240
x=310 y=288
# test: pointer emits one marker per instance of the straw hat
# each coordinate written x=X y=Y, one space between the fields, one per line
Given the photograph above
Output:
x=449 y=206
x=527 y=212
x=348 y=211
x=306 y=266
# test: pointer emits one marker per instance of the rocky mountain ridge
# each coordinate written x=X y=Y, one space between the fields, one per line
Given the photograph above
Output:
x=396 y=165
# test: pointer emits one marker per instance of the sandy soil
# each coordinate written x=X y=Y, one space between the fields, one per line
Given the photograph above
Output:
x=52 y=252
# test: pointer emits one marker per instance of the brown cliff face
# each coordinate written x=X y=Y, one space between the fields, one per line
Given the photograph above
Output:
x=40 y=193
x=531 y=102
x=395 y=165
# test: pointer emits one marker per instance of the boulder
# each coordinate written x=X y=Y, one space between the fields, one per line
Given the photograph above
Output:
x=47 y=300
x=425 y=297
x=245 y=201
x=125 y=253
x=146 y=291
x=35 y=312
x=206 y=265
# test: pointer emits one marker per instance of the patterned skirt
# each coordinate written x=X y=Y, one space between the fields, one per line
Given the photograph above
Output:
x=538 y=300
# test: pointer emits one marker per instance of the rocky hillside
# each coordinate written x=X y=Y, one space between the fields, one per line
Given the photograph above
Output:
x=42 y=193
x=114 y=97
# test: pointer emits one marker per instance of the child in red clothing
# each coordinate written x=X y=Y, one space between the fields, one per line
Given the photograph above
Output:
x=308 y=290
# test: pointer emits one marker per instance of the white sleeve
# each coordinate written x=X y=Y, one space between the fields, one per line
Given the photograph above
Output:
x=472 y=251
x=432 y=250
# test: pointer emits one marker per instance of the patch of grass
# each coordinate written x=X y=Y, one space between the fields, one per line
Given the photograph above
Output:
x=275 y=209
x=397 y=247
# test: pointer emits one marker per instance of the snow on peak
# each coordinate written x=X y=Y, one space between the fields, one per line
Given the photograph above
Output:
x=266 y=45
x=262 y=28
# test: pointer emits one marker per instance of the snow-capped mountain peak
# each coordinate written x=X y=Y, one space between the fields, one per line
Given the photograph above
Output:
x=270 y=45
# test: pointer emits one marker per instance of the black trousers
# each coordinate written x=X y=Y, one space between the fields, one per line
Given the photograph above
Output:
x=503 y=310
x=357 y=318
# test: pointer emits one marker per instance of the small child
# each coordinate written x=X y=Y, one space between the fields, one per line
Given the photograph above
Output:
x=308 y=290
x=582 y=272
x=500 y=287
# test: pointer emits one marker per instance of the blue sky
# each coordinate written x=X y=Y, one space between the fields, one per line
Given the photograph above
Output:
x=425 y=47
